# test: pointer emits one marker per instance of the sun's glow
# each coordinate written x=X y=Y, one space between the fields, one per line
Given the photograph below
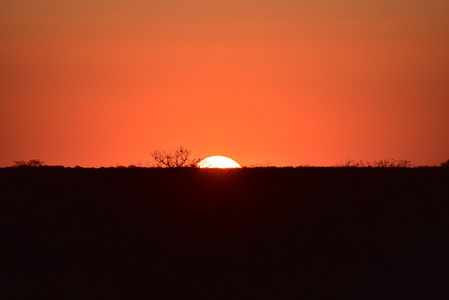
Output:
x=218 y=162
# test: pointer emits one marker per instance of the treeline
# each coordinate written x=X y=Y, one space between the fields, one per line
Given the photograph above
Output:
x=350 y=163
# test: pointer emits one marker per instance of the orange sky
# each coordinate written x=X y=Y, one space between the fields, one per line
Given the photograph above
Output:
x=279 y=82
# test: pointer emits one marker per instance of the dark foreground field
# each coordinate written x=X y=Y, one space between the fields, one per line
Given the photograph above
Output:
x=306 y=233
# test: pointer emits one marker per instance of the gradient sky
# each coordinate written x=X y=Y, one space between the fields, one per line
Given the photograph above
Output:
x=270 y=82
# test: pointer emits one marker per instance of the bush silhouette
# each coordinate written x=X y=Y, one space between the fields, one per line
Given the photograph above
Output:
x=445 y=164
x=392 y=163
x=351 y=163
x=30 y=163
x=383 y=163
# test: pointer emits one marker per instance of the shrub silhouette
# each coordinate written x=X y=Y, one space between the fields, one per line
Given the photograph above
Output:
x=392 y=163
x=30 y=163
x=383 y=163
x=445 y=164
x=178 y=158
x=351 y=163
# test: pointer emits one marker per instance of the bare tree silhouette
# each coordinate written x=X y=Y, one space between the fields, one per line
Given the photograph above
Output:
x=178 y=158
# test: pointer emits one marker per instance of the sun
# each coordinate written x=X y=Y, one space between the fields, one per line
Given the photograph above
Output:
x=218 y=162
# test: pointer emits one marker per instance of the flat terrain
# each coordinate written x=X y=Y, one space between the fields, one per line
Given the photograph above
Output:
x=263 y=233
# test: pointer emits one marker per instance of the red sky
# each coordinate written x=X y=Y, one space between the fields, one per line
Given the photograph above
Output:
x=279 y=82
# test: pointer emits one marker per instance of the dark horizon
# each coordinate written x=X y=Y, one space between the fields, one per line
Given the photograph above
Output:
x=265 y=233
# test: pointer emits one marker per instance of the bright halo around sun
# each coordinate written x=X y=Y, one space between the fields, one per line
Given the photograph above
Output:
x=218 y=162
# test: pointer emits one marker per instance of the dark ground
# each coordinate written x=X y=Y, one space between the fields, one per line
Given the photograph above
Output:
x=264 y=233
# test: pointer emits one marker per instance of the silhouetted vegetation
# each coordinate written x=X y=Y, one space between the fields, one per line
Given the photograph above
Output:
x=383 y=163
x=352 y=163
x=179 y=157
x=254 y=233
x=30 y=163
x=445 y=164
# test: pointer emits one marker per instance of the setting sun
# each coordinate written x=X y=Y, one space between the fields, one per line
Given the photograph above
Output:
x=218 y=162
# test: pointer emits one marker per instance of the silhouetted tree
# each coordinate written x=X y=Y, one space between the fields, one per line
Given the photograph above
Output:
x=30 y=163
x=445 y=164
x=177 y=158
